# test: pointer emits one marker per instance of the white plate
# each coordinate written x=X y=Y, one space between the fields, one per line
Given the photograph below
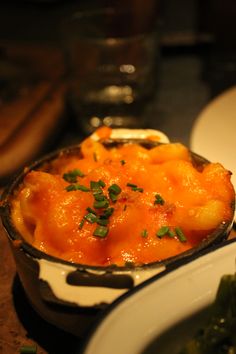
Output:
x=138 y=318
x=214 y=132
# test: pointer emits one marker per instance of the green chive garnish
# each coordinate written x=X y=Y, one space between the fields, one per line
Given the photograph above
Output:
x=159 y=199
x=90 y=210
x=81 y=224
x=101 y=231
x=164 y=230
x=181 y=236
x=103 y=222
x=82 y=188
x=99 y=196
x=101 y=183
x=144 y=233
x=134 y=187
x=131 y=185
x=70 y=188
x=137 y=189
x=108 y=212
x=122 y=162
x=113 y=197
x=171 y=233
x=28 y=349
x=95 y=186
x=71 y=176
x=90 y=217
x=115 y=189
x=77 y=187
x=98 y=204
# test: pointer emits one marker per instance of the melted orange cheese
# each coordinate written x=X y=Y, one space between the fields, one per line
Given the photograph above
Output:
x=50 y=217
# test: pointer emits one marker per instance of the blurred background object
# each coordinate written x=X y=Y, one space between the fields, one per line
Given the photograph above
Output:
x=217 y=18
x=31 y=115
x=113 y=61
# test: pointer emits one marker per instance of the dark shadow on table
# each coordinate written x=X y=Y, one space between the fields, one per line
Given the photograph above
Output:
x=50 y=338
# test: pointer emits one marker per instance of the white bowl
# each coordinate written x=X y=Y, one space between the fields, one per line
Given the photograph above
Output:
x=140 y=321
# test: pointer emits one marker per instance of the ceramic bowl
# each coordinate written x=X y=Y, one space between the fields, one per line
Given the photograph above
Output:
x=162 y=314
x=71 y=295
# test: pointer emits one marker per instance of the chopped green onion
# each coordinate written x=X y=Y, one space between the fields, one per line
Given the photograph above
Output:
x=90 y=217
x=99 y=196
x=101 y=231
x=115 y=189
x=77 y=187
x=90 y=210
x=108 y=212
x=70 y=188
x=181 y=236
x=171 y=233
x=82 y=188
x=131 y=185
x=122 y=162
x=137 y=189
x=81 y=224
x=71 y=176
x=101 y=221
x=71 y=179
x=102 y=183
x=164 y=230
x=113 y=197
x=159 y=199
x=28 y=349
x=144 y=233
x=134 y=187
x=98 y=204
x=95 y=186
x=97 y=191
x=79 y=173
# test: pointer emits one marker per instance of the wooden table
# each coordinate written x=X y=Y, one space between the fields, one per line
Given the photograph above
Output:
x=19 y=323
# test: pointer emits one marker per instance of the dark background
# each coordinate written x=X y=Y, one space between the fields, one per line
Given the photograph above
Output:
x=198 y=51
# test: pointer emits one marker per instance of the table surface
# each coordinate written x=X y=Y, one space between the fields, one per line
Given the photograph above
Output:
x=181 y=96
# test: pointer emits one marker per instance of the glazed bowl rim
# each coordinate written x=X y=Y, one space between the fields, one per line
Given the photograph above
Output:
x=14 y=235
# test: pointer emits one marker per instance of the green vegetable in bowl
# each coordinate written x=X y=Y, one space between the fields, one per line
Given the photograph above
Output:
x=219 y=334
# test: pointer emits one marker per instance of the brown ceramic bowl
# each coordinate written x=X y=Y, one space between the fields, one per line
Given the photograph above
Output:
x=71 y=295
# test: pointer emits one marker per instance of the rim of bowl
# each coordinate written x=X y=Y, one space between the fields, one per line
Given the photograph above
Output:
x=213 y=238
